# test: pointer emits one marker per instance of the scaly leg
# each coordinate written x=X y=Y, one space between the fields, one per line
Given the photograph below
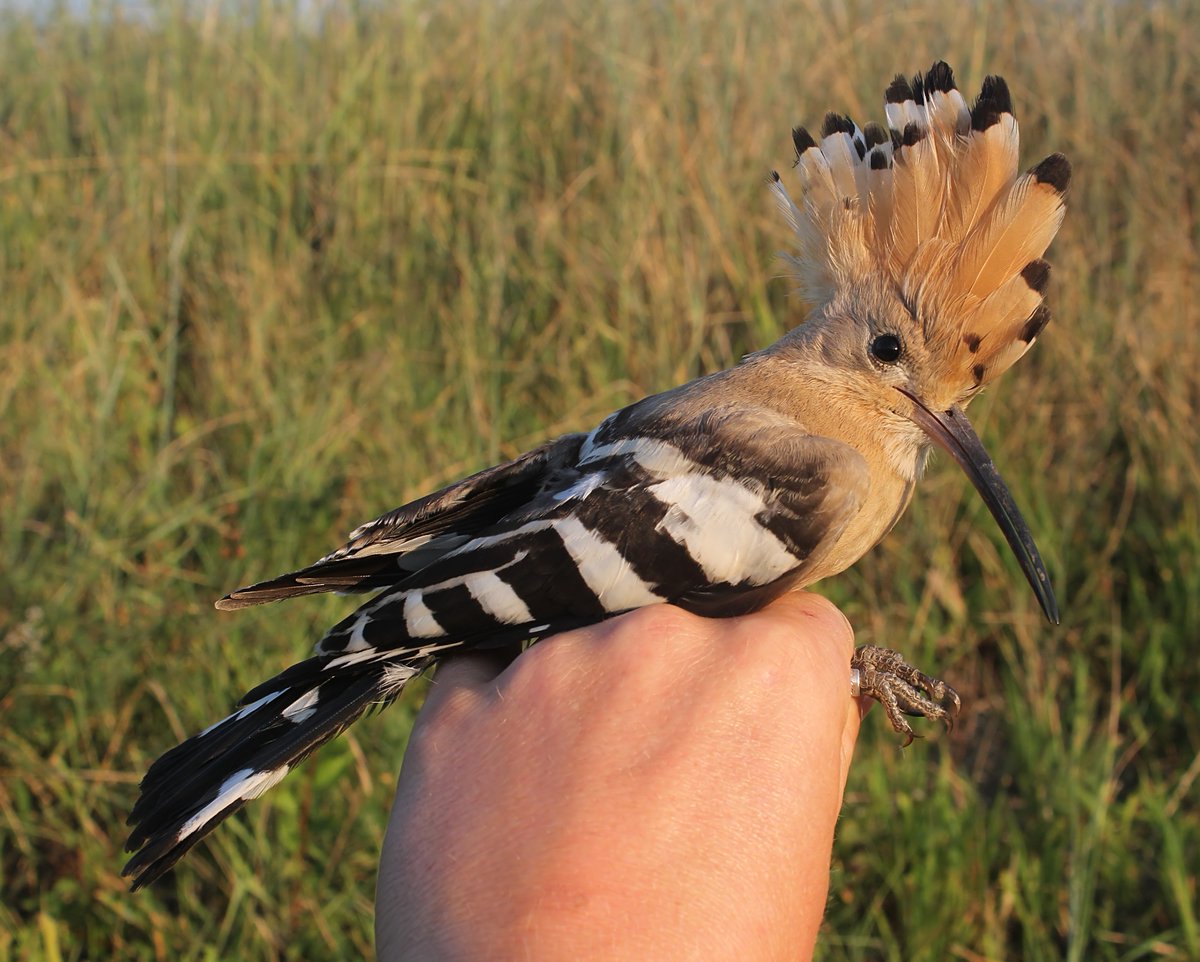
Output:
x=883 y=675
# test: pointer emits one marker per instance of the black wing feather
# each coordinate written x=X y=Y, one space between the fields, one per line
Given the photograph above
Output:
x=376 y=553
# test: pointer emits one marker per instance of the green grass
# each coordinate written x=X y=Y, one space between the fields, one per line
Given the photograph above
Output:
x=262 y=282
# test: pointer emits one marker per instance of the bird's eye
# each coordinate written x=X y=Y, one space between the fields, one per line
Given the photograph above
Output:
x=886 y=348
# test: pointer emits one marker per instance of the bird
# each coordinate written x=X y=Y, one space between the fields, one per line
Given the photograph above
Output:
x=918 y=249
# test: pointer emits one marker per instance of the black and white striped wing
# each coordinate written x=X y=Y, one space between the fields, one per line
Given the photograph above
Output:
x=404 y=540
x=718 y=516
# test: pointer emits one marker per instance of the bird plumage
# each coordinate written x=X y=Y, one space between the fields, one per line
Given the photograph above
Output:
x=940 y=211
x=716 y=496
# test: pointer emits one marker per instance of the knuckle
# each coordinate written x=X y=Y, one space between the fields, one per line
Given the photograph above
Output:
x=545 y=670
x=449 y=710
x=660 y=621
x=834 y=620
x=818 y=618
x=672 y=631
x=799 y=640
x=536 y=666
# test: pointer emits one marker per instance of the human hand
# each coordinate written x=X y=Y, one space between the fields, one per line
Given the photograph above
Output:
x=659 y=786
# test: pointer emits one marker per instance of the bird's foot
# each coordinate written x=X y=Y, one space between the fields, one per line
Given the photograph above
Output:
x=882 y=674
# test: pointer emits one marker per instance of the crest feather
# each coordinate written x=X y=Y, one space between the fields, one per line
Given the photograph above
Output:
x=1016 y=229
x=936 y=206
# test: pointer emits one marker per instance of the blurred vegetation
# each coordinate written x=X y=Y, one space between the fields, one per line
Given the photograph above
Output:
x=267 y=273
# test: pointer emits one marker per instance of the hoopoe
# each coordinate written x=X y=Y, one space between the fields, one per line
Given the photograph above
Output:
x=919 y=248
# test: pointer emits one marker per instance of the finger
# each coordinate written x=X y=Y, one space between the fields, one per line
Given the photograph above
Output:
x=855 y=711
x=814 y=617
x=823 y=640
x=811 y=615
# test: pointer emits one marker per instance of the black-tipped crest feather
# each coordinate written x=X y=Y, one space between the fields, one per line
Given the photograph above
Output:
x=898 y=90
x=802 y=140
x=941 y=207
x=836 y=123
x=1055 y=170
x=940 y=77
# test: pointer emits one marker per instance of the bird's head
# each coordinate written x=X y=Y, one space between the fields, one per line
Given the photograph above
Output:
x=920 y=248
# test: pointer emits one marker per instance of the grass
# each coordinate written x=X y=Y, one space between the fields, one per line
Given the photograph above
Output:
x=264 y=278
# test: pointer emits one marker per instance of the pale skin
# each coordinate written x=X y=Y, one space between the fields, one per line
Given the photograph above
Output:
x=661 y=786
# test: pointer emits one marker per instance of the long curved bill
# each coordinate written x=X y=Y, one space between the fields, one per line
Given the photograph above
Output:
x=953 y=432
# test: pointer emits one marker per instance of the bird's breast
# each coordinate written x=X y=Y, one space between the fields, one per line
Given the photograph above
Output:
x=887 y=499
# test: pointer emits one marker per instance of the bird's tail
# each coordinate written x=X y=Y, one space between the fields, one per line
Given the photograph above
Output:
x=196 y=785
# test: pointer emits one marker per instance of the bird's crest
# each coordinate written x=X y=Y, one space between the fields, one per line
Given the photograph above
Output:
x=933 y=203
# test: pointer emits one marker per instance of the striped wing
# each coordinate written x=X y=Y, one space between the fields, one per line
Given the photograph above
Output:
x=698 y=520
x=404 y=540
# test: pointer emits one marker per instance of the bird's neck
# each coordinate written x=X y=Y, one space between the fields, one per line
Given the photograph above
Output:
x=804 y=387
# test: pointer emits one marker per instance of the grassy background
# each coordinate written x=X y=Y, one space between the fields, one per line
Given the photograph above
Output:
x=262 y=281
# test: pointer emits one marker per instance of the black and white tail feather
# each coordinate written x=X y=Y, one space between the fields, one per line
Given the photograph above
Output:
x=706 y=497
